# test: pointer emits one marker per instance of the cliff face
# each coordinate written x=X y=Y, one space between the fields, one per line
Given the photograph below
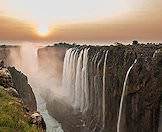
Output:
x=105 y=71
x=143 y=99
x=19 y=80
x=17 y=113
x=15 y=85
x=20 y=83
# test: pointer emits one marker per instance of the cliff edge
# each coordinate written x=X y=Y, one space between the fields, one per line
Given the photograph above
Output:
x=18 y=111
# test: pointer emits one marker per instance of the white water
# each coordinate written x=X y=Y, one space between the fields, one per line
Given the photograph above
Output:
x=122 y=96
x=75 y=78
x=156 y=52
x=103 y=91
x=85 y=89
x=29 y=66
x=95 y=77
x=78 y=88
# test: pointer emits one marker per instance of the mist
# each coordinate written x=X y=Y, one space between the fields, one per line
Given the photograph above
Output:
x=44 y=74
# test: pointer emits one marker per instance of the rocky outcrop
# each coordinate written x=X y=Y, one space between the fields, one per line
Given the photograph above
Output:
x=37 y=119
x=16 y=91
x=142 y=98
x=20 y=83
x=15 y=79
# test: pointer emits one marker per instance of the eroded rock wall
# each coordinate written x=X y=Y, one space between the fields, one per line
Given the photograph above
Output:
x=142 y=98
x=20 y=83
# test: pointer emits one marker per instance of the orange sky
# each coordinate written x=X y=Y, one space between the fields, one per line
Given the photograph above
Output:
x=143 y=21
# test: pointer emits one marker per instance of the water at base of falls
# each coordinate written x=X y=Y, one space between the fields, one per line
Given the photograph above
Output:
x=51 y=124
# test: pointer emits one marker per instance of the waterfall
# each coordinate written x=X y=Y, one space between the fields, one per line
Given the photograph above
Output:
x=103 y=91
x=122 y=96
x=75 y=81
x=156 y=52
x=95 y=79
x=66 y=72
x=85 y=98
x=75 y=78
x=78 y=81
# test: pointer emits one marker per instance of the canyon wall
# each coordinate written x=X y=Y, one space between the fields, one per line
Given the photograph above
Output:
x=20 y=83
x=94 y=77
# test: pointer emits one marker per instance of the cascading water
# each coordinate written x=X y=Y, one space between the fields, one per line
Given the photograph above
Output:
x=75 y=78
x=75 y=81
x=85 y=81
x=104 y=89
x=122 y=96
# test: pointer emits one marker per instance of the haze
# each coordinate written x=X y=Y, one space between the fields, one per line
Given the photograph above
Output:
x=78 y=20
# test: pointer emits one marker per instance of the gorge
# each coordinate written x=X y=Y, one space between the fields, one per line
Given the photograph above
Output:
x=93 y=88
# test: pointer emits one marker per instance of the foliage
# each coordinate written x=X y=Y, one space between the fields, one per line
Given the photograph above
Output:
x=12 y=116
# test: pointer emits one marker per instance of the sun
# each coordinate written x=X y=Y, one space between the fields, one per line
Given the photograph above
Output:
x=43 y=31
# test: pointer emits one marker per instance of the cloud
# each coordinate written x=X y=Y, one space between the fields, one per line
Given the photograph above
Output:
x=142 y=23
x=14 y=29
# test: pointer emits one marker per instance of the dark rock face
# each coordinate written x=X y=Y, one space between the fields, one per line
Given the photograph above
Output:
x=65 y=114
x=20 y=83
x=142 y=100
x=37 y=119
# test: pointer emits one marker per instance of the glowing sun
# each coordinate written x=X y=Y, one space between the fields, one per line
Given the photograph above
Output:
x=43 y=31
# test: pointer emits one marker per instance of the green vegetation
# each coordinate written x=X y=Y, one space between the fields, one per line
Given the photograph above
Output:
x=12 y=116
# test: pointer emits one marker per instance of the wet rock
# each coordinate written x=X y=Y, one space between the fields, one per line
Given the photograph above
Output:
x=37 y=119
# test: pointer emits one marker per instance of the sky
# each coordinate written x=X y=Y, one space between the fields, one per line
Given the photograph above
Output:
x=81 y=20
